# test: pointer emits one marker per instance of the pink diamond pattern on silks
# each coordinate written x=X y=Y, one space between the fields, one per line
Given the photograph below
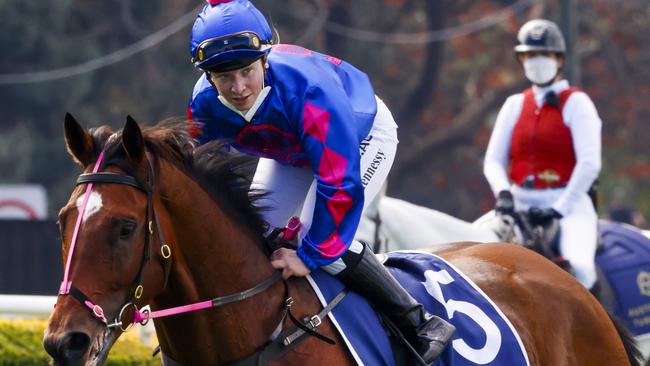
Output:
x=332 y=247
x=315 y=122
x=332 y=166
x=339 y=205
x=194 y=127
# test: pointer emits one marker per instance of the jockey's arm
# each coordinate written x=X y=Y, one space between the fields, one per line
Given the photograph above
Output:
x=585 y=125
x=331 y=143
x=498 y=151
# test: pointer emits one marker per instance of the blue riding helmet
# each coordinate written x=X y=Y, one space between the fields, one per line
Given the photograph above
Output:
x=540 y=35
x=229 y=32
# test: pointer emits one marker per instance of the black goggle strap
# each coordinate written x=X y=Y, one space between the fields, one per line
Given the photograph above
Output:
x=238 y=41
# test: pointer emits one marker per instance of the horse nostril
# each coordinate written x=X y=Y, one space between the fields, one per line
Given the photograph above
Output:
x=75 y=345
x=78 y=341
x=72 y=346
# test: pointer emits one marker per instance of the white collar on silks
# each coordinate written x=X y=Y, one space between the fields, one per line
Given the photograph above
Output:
x=251 y=112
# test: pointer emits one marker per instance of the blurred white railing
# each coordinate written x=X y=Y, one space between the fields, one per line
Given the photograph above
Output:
x=26 y=306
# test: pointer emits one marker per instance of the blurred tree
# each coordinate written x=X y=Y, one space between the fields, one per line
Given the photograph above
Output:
x=444 y=94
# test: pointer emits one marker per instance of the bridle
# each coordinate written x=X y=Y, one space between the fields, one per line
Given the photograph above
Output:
x=151 y=219
x=279 y=342
x=142 y=317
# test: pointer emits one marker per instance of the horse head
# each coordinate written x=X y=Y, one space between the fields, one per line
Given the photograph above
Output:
x=108 y=246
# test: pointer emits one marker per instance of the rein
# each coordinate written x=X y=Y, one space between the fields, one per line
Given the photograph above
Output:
x=214 y=303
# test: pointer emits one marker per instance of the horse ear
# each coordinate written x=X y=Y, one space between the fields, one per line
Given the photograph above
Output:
x=78 y=141
x=132 y=141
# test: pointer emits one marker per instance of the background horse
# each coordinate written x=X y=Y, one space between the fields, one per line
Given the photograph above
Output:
x=177 y=224
x=393 y=224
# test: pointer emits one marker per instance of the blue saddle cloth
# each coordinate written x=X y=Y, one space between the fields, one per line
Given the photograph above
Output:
x=484 y=336
x=624 y=261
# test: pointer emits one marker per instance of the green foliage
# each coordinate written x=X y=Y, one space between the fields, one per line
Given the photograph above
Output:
x=21 y=344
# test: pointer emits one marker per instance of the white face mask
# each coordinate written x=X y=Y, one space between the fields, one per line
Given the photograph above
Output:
x=540 y=69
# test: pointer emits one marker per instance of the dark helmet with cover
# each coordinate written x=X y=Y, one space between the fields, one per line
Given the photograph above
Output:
x=540 y=35
x=229 y=34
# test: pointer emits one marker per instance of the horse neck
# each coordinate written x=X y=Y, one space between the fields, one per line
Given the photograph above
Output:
x=213 y=255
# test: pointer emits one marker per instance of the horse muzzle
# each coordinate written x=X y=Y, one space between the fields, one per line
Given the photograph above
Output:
x=78 y=348
x=68 y=349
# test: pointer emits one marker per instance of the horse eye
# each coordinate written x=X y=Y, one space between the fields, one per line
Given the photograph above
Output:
x=127 y=230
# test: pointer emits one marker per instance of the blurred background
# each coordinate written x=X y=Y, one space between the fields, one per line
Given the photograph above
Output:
x=443 y=67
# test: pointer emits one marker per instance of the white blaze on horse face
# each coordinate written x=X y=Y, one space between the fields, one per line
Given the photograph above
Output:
x=93 y=206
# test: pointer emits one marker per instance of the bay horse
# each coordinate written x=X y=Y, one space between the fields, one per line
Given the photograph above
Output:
x=168 y=224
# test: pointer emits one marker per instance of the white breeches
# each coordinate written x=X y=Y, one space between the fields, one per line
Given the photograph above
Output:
x=578 y=229
x=292 y=191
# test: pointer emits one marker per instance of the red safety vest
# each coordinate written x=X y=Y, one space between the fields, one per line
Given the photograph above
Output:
x=541 y=151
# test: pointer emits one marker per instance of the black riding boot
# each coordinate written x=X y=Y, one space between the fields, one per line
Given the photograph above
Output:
x=427 y=333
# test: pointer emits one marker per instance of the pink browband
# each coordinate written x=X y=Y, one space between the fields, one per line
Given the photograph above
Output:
x=65 y=285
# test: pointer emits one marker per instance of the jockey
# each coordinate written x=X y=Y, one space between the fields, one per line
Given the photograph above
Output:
x=544 y=152
x=326 y=144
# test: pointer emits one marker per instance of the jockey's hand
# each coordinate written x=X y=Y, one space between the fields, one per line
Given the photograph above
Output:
x=542 y=216
x=290 y=264
x=505 y=204
x=277 y=240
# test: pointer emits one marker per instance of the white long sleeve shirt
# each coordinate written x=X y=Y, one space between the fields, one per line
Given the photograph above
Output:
x=581 y=118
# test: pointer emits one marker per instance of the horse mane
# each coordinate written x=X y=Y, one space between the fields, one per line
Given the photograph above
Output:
x=223 y=175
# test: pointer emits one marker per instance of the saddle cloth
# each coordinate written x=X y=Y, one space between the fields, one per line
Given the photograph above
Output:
x=484 y=336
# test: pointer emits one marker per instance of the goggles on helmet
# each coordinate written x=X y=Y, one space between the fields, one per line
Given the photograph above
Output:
x=237 y=41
